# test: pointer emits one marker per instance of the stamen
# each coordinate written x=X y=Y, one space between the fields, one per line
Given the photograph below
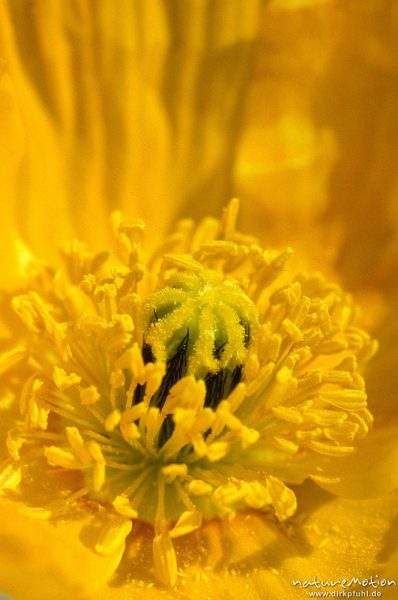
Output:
x=178 y=389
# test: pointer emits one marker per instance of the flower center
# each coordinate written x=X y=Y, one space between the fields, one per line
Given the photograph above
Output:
x=199 y=324
x=207 y=318
x=192 y=387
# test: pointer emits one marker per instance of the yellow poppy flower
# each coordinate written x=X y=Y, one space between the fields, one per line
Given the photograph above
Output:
x=168 y=402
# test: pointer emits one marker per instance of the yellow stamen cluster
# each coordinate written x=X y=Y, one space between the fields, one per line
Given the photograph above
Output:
x=188 y=388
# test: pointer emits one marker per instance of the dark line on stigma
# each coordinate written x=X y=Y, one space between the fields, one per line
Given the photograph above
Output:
x=166 y=431
x=246 y=339
x=147 y=356
x=147 y=353
x=236 y=378
x=218 y=385
x=176 y=369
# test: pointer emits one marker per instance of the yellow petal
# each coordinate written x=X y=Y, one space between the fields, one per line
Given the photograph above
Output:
x=248 y=556
x=124 y=106
x=361 y=111
x=284 y=157
x=382 y=374
x=43 y=561
x=11 y=149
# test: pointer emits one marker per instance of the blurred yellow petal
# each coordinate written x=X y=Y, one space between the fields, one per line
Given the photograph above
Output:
x=134 y=108
x=318 y=150
x=41 y=561
x=11 y=149
x=382 y=375
x=357 y=99
x=285 y=158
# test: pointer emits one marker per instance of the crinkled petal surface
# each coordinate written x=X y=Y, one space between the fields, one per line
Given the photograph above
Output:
x=92 y=142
